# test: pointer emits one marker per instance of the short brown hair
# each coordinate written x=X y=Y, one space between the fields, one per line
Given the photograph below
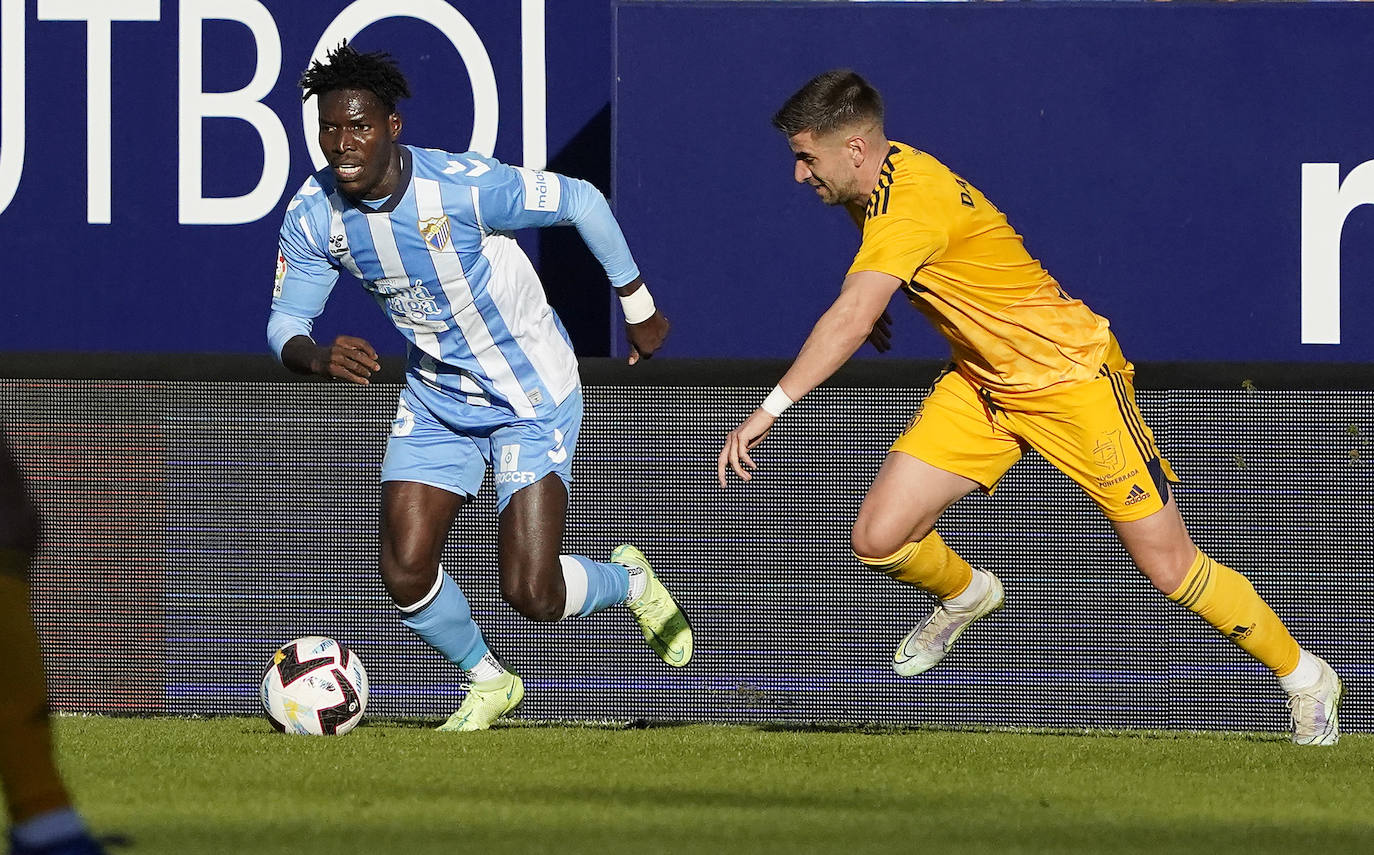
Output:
x=829 y=101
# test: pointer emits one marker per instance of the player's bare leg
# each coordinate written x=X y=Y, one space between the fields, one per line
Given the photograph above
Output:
x=906 y=499
x=529 y=541
x=895 y=533
x=544 y=585
x=1161 y=548
x=416 y=519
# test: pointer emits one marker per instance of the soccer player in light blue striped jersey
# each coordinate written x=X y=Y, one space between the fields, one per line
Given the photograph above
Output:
x=491 y=377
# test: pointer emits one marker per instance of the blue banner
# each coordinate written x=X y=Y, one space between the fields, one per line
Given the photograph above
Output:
x=148 y=148
x=1200 y=175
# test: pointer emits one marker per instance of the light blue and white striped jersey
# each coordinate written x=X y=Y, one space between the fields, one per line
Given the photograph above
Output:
x=439 y=259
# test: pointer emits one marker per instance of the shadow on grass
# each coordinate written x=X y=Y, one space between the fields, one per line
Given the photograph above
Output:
x=860 y=729
x=522 y=724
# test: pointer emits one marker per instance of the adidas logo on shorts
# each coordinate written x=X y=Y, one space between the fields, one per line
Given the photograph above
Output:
x=1137 y=494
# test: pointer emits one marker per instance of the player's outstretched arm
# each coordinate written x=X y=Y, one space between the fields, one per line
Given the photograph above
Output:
x=348 y=358
x=583 y=205
x=645 y=325
x=881 y=337
x=850 y=320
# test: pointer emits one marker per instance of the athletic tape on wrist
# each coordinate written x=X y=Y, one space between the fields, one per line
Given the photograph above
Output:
x=776 y=402
x=639 y=306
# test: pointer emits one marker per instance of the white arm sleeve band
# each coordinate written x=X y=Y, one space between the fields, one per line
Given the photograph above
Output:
x=639 y=306
x=776 y=402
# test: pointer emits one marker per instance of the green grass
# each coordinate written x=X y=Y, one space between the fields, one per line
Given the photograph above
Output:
x=231 y=785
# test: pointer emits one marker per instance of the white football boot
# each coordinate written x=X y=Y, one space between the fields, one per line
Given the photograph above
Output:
x=1314 y=709
x=927 y=644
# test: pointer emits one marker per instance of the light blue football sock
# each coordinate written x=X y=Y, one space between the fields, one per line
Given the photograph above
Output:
x=444 y=620
x=591 y=585
x=49 y=828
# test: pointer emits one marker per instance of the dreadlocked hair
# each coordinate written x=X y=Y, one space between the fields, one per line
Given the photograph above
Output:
x=346 y=68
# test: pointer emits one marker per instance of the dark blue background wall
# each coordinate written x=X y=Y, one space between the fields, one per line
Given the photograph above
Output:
x=1151 y=154
x=145 y=282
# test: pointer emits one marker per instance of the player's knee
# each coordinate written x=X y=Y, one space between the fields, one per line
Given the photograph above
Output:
x=877 y=536
x=1167 y=571
x=535 y=597
x=407 y=574
x=872 y=546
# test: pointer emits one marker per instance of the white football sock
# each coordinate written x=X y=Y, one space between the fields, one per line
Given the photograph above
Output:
x=639 y=580
x=575 y=585
x=487 y=668
x=965 y=600
x=1308 y=672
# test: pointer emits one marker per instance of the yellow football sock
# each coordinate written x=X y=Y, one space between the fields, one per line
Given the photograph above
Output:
x=32 y=784
x=928 y=564
x=1227 y=600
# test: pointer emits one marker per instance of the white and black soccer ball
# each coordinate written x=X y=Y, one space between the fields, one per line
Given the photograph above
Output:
x=314 y=686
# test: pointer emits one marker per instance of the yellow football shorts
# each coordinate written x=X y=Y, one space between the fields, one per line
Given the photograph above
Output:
x=1092 y=431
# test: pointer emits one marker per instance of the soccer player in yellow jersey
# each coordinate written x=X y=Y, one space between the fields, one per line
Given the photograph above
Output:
x=1032 y=367
x=42 y=819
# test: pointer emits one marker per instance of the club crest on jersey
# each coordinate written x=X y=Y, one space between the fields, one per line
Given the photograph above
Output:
x=435 y=232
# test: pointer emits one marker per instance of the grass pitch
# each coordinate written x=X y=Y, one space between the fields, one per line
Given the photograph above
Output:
x=232 y=785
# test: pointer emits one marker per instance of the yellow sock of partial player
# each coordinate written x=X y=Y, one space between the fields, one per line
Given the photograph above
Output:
x=1227 y=600
x=31 y=781
x=928 y=564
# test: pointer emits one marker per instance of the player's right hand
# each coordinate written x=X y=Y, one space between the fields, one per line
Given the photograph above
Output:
x=735 y=454
x=646 y=336
x=348 y=358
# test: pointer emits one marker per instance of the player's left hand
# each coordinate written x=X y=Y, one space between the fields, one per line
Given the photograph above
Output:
x=881 y=336
x=646 y=336
x=735 y=454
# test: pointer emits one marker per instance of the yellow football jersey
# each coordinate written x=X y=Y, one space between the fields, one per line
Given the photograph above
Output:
x=1011 y=327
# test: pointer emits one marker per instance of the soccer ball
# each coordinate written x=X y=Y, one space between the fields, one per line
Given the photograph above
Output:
x=316 y=686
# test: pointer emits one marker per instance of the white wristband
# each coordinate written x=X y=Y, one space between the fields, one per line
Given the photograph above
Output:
x=776 y=402
x=639 y=306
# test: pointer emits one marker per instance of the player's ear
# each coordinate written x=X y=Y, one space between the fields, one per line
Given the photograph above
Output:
x=394 y=122
x=858 y=149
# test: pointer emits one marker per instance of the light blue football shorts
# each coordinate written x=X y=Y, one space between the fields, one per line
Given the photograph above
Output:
x=448 y=443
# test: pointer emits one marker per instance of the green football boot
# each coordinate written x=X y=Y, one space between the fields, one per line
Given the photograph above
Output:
x=486 y=702
x=664 y=625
